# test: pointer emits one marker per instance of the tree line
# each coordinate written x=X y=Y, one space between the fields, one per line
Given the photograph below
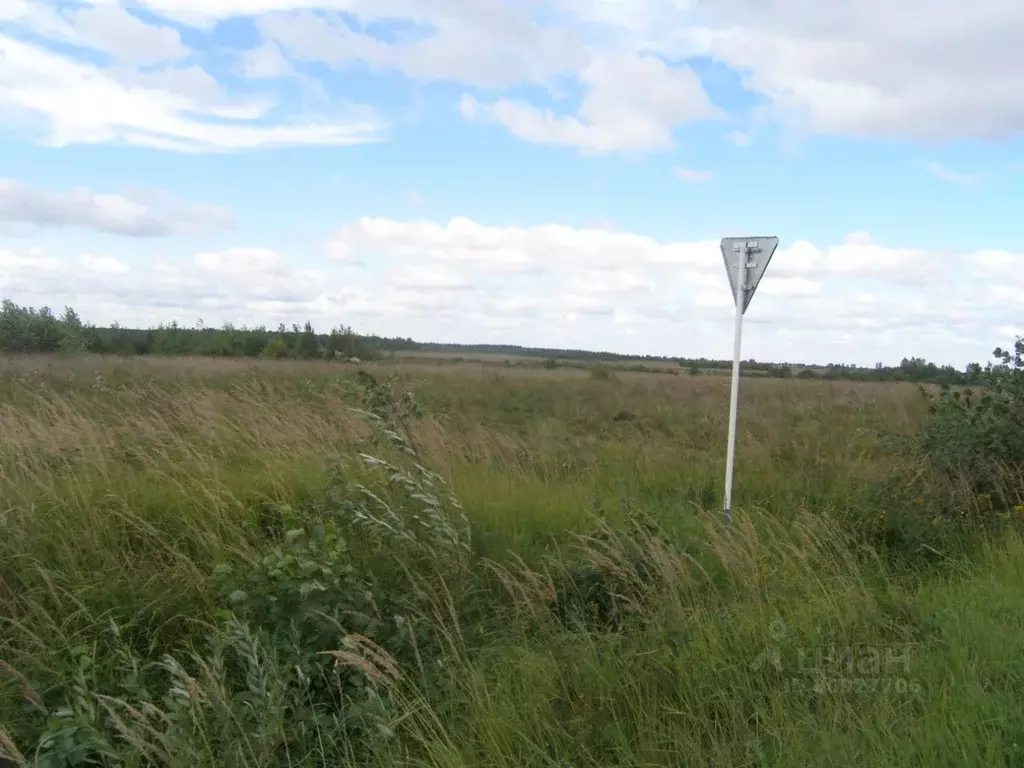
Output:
x=26 y=330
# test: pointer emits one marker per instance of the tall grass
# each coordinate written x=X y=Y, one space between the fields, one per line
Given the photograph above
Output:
x=216 y=563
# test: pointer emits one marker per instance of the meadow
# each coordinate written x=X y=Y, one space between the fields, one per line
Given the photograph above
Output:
x=282 y=563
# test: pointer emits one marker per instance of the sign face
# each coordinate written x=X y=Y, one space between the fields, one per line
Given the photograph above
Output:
x=757 y=251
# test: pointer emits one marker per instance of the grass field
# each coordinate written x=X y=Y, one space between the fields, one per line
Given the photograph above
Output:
x=216 y=563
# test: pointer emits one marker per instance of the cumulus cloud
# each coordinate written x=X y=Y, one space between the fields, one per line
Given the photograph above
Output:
x=866 y=67
x=510 y=249
x=105 y=27
x=110 y=28
x=872 y=299
x=552 y=285
x=436 y=277
x=917 y=69
x=632 y=103
x=631 y=100
x=139 y=214
x=487 y=42
x=26 y=270
x=266 y=62
x=240 y=261
x=64 y=101
x=105 y=265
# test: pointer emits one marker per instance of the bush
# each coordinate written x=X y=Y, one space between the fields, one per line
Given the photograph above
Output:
x=276 y=349
x=963 y=473
x=976 y=438
x=600 y=372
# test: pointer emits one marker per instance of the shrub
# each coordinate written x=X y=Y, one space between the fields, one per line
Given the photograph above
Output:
x=962 y=472
x=600 y=372
x=976 y=438
x=276 y=349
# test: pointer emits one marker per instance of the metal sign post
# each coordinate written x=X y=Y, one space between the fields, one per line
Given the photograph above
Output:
x=746 y=259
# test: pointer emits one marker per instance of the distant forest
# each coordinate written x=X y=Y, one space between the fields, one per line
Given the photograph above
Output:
x=26 y=330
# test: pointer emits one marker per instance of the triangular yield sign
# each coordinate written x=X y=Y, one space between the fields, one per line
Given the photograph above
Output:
x=758 y=252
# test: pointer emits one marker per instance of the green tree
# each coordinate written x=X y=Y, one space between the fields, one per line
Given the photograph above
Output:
x=14 y=336
x=73 y=340
x=277 y=349
x=308 y=347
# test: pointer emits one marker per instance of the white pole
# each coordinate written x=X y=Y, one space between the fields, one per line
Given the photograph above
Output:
x=734 y=399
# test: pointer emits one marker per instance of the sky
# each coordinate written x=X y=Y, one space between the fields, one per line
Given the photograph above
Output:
x=552 y=173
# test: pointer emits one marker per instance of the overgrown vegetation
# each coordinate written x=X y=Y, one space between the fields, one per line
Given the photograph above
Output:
x=977 y=437
x=25 y=330
x=220 y=562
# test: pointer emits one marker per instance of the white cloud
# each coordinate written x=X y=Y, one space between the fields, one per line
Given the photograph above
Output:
x=486 y=42
x=1007 y=293
x=861 y=258
x=192 y=83
x=713 y=300
x=111 y=28
x=940 y=171
x=461 y=241
x=696 y=177
x=104 y=265
x=238 y=261
x=888 y=300
x=568 y=287
x=790 y=286
x=196 y=86
x=266 y=62
x=870 y=67
x=858 y=257
x=801 y=258
x=632 y=103
x=28 y=271
x=36 y=16
x=139 y=214
x=510 y=249
x=610 y=281
x=105 y=27
x=70 y=102
x=917 y=68
x=468 y=107
x=994 y=263
x=427 y=278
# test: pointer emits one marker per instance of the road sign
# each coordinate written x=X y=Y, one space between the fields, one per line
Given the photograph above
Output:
x=758 y=251
x=746 y=259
